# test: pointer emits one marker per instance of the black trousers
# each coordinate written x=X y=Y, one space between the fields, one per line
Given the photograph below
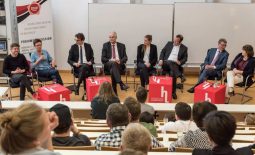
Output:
x=24 y=83
x=144 y=72
x=83 y=72
x=51 y=73
x=115 y=70
x=174 y=70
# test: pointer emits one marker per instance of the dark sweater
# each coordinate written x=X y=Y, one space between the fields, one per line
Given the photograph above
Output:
x=99 y=107
x=218 y=150
x=12 y=63
x=76 y=140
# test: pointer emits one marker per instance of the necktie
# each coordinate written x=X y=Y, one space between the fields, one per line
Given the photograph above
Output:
x=113 y=52
x=215 y=58
x=81 y=57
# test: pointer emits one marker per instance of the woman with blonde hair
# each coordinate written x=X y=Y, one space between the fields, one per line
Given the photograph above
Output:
x=27 y=130
x=104 y=98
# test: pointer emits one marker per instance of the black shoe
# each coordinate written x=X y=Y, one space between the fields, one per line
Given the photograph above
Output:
x=124 y=87
x=174 y=96
x=76 y=91
x=191 y=90
x=232 y=93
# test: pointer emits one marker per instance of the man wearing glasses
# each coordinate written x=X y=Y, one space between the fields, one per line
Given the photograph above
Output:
x=81 y=57
x=215 y=61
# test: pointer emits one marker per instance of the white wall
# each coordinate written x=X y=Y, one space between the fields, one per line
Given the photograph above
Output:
x=69 y=18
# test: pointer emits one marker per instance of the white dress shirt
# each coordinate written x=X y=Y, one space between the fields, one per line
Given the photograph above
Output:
x=174 y=54
x=179 y=126
x=116 y=52
x=146 y=55
x=83 y=54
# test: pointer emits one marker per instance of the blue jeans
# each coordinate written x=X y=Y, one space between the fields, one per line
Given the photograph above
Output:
x=50 y=73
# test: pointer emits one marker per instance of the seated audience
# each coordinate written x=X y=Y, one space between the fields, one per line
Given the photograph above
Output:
x=44 y=64
x=215 y=62
x=220 y=127
x=117 y=118
x=136 y=137
x=147 y=57
x=15 y=66
x=147 y=120
x=241 y=67
x=26 y=130
x=141 y=96
x=183 y=122
x=61 y=136
x=198 y=138
x=134 y=109
x=100 y=103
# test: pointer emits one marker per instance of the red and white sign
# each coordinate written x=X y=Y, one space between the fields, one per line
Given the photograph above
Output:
x=92 y=86
x=160 y=89
x=207 y=92
x=35 y=21
x=54 y=92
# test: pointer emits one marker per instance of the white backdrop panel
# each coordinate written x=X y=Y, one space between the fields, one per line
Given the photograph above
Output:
x=202 y=24
x=131 y=22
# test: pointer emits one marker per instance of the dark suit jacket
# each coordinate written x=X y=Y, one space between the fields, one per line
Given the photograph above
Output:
x=107 y=52
x=218 y=150
x=153 y=57
x=73 y=56
x=182 y=55
x=249 y=68
x=246 y=150
x=221 y=62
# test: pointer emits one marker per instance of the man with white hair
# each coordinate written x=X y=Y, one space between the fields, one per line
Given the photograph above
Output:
x=114 y=58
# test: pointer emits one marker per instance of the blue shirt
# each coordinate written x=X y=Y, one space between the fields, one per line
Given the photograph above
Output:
x=43 y=64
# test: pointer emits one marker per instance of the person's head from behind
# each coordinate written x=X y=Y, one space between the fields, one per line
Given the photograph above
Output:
x=182 y=111
x=79 y=38
x=146 y=117
x=136 y=137
x=200 y=110
x=14 y=49
x=147 y=39
x=24 y=128
x=64 y=118
x=38 y=44
x=220 y=127
x=113 y=37
x=117 y=115
x=247 y=51
x=106 y=92
x=134 y=108
x=178 y=39
x=141 y=94
x=222 y=44
x=250 y=119
x=131 y=152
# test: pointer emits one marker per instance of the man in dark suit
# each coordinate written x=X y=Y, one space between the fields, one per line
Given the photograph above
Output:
x=114 y=58
x=81 y=57
x=147 y=57
x=172 y=57
x=215 y=62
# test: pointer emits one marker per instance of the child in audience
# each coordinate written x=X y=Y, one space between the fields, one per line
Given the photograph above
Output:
x=26 y=130
x=198 y=138
x=141 y=96
x=61 y=136
x=147 y=120
x=183 y=122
